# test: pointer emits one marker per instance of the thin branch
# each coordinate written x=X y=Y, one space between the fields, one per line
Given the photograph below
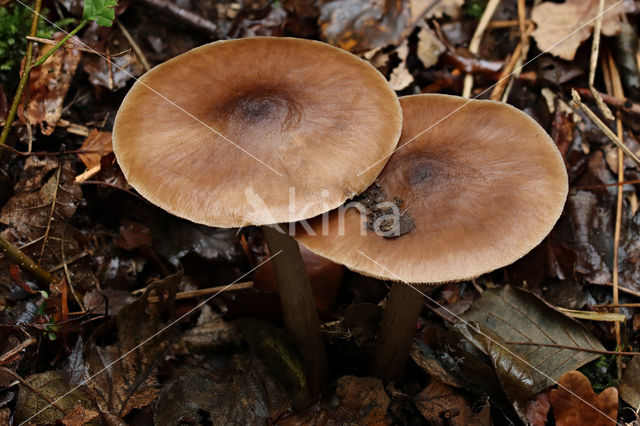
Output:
x=575 y=348
x=624 y=105
x=603 y=127
x=55 y=48
x=474 y=45
x=593 y=64
x=41 y=275
x=24 y=78
x=31 y=388
x=52 y=212
x=618 y=92
x=73 y=46
x=204 y=292
x=134 y=45
x=7 y=356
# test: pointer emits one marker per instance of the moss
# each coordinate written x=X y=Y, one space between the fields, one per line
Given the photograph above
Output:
x=475 y=8
x=601 y=372
x=15 y=21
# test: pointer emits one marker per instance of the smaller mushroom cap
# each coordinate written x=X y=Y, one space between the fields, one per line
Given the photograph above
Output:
x=482 y=181
x=256 y=131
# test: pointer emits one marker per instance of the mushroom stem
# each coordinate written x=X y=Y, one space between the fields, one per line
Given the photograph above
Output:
x=298 y=308
x=396 y=333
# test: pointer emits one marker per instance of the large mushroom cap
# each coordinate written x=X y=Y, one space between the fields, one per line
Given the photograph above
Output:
x=256 y=131
x=482 y=181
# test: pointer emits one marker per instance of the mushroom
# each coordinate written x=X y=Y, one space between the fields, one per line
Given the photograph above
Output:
x=476 y=185
x=259 y=131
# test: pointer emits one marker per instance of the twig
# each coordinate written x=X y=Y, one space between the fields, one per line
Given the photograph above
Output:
x=618 y=92
x=618 y=305
x=16 y=350
x=134 y=45
x=593 y=64
x=603 y=127
x=575 y=348
x=605 y=185
x=194 y=20
x=508 y=23
x=474 y=46
x=498 y=90
x=73 y=46
x=71 y=260
x=204 y=292
x=73 y=128
x=24 y=78
x=42 y=276
x=32 y=389
x=53 y=209
x=68 y=275
x=55 y=48
x=624 y=105
x=593 y=316
x=526 y=28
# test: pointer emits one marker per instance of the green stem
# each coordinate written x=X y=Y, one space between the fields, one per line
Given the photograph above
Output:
x=41 y=275
x=24 y=78
x=73 y=32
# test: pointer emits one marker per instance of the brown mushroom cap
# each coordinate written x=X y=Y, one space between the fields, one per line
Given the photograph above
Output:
x=483 y=183
x=227 y=133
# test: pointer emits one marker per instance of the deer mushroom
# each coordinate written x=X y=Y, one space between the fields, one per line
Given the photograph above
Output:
x=227 y=133
x=476 y=185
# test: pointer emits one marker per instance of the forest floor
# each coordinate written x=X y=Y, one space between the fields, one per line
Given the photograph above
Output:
x=97 y=341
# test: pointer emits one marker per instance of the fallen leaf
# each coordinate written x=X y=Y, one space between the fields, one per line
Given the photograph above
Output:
x=210 y=333
x=29 y=214
x=440 y=404
x=429 y=46
x=590 y=223
x=452 y=8
x=400 y=77
x=425 y=358
x=115 y=74
x=50 y=386
x=95 y=146
x=363 y=400
x=128 y=382
x=630 y=384
x=49 y=84
x=510 y=315
x=538 y=409
x=246 y=392
x=561 y=28
x=360 y=26
x=575 y=402
x=79 y=416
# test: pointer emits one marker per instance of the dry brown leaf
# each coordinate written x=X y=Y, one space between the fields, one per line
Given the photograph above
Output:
x=360 y=26
x=79 y=416
x=400 y=77
x=537 y=410
x=429 y=47
x=575 y=402
x=441 y=404
x=451 y=8
x=362 y=400
x=562 y=27
x=49 y=84
x=97 y=145
x=630 y=384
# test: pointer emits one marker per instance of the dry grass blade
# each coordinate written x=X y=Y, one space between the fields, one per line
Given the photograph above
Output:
x=603 y=127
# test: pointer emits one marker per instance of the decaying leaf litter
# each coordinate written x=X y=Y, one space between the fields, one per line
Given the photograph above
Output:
x=119 y=265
